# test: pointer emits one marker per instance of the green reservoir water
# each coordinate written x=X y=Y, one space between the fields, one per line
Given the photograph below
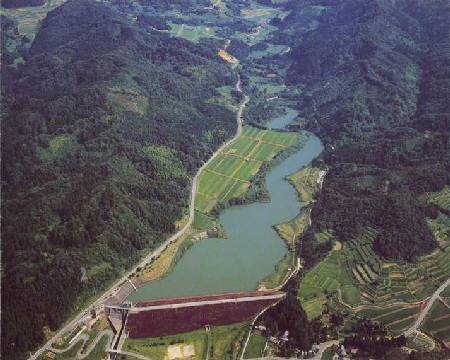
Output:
x=253 y=248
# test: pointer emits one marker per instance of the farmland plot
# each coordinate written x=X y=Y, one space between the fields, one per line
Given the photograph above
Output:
x=230 y=174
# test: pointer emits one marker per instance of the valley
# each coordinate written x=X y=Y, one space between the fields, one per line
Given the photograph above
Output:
x=261 y=204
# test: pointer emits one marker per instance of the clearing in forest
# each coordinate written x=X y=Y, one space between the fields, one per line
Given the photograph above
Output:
x=227 y=57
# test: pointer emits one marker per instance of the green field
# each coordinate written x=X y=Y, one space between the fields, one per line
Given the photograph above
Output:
x=437 y=322
x=219 y=342
x=305 y=182
x=99 y=353
x=191 y=33
x=255 y=346
x=228 y=176
x=68 y=355
x=386 y=292
x=442 y=198
x=282 y=269
x=29 y=18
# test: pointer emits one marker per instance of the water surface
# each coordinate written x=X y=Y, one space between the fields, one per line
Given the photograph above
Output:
x=253 y=248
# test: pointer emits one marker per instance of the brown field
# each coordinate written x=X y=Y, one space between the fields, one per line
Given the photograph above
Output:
x=227 y=57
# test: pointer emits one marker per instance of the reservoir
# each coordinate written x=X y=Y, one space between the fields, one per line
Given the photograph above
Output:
x=253 y=248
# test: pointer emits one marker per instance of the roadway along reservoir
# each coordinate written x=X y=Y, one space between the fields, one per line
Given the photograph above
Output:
x=253 y=248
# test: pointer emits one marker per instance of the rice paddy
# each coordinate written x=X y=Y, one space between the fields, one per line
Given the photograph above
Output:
x=230 y=174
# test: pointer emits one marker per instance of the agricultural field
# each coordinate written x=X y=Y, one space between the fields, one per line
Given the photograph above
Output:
x=157 y=347
x=437 y=322
x=64 y=341
x=396 y=317
x=262 y=14
x=225 y=97
x=68 y=355
x=29 y=18
x=81 y=345
x=387 y=292
x=289 y=231
x=98 y=352
x=441 y=198
x=230 y=174
x=270 y=51
x=161 y=266
x=306 y=181
x=255 y=346
x=328 y=276
x=219 y=342
x=191 y=33
x=284 y=267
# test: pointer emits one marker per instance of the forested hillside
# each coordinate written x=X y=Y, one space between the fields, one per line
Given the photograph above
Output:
x=375 y=78
x=104 y=125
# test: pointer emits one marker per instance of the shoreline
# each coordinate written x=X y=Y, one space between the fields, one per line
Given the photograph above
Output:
x=159 y=250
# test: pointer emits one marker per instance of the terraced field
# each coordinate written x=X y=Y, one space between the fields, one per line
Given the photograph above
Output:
x=230 y=174
x=437 y=323
x=391 y=293
x=344 y=269
x=396 y=317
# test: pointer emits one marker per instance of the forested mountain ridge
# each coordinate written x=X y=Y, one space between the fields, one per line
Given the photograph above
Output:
x=103 y=127
x=376 y=81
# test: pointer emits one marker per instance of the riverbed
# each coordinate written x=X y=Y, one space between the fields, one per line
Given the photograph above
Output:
x=252 y=248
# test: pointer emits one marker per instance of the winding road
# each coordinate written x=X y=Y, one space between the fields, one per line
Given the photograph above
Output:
x=150 y=257
x=84 y=338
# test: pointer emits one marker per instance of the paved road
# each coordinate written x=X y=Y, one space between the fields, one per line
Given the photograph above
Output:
x=427 y=308
x=251 y=328
x=131 y=354
x=322 y=347
x=149 y=258
x=83 y=338
x=139 y=309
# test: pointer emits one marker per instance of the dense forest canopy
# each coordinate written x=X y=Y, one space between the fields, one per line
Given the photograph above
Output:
x=375 y=78
x=21 y=3
x=105 y=123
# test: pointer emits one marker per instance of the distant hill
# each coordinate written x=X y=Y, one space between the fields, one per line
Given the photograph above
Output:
x=375 y=85
x=104 y=126
x=21 y=3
